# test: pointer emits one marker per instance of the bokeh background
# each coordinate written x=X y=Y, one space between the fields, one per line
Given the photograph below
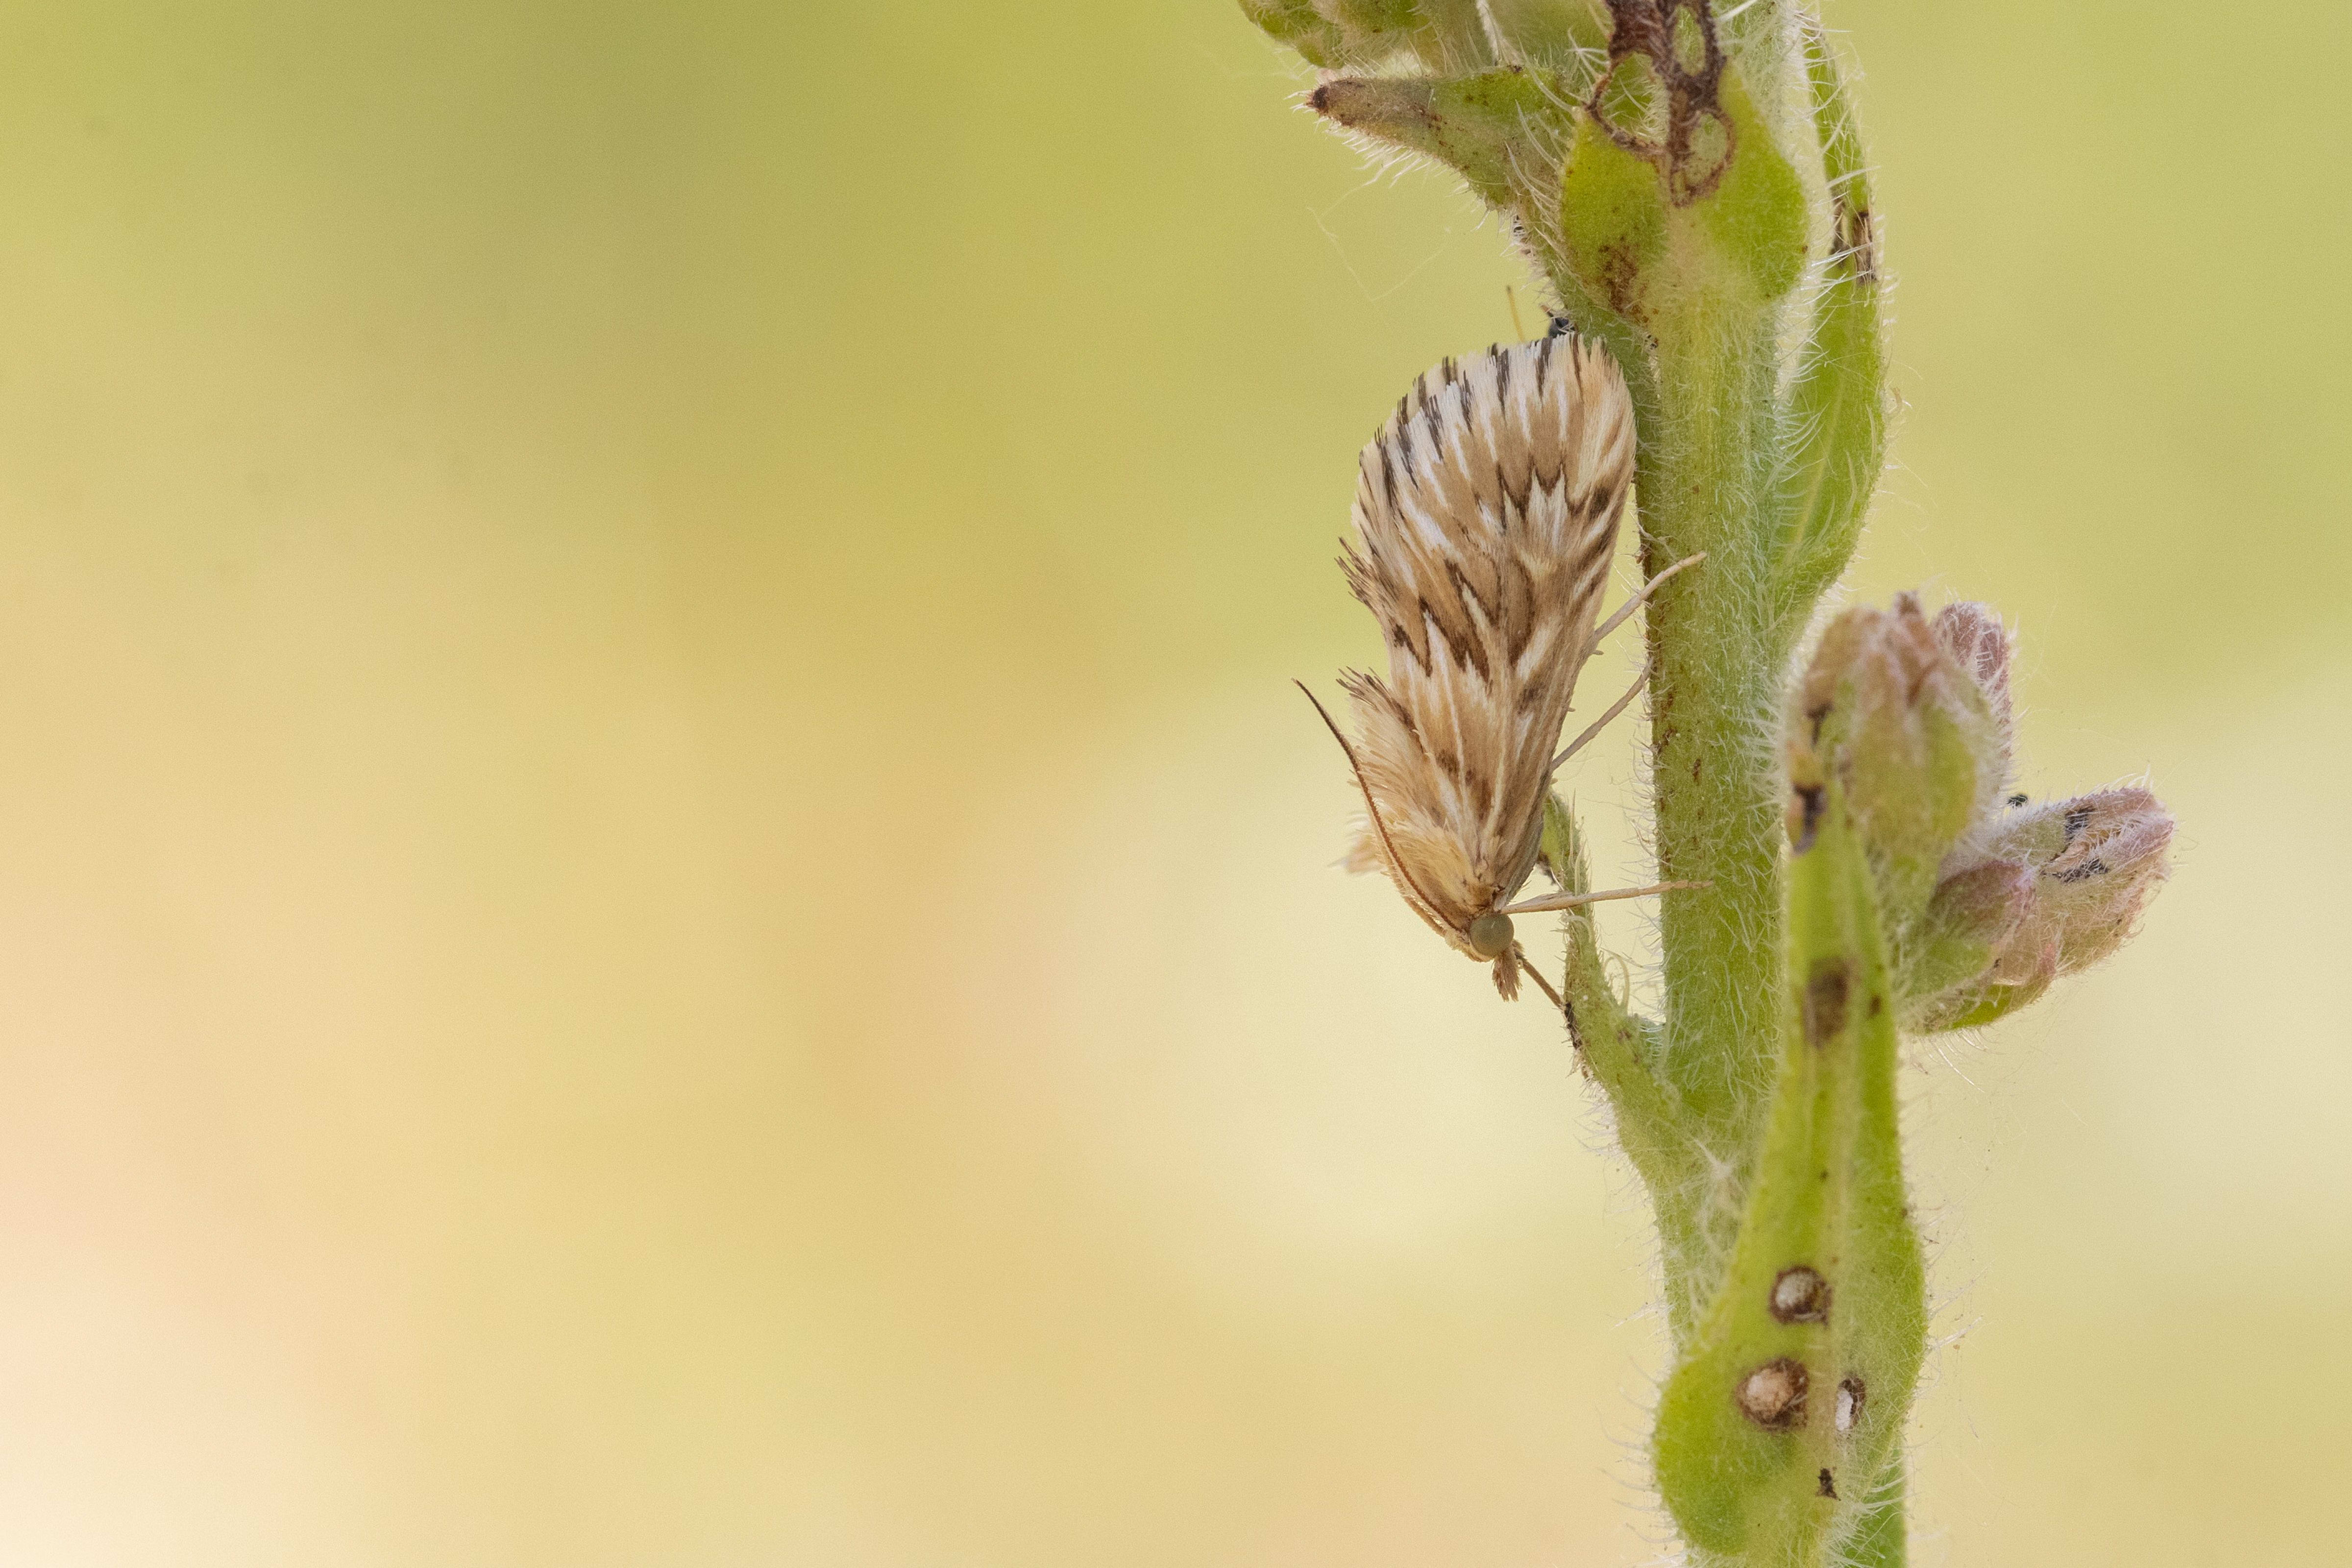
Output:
x=663 y=900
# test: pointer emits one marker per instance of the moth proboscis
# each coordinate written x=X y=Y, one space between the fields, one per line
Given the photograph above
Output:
x=1486 y=510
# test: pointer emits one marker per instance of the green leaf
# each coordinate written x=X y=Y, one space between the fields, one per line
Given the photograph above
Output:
x=1839 y=407
x=1502 y=130
x=1321 y=41
x=1745 y=1464
x=1755 y=219
x=1612 y=221
x=1441 y=34
x=1680 y=229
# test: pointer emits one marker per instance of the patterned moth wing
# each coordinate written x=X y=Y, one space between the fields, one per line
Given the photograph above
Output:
x=1487 y=509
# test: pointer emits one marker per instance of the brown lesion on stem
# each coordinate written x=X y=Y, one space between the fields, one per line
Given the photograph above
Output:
x=1826 y=991
x=1806 y=821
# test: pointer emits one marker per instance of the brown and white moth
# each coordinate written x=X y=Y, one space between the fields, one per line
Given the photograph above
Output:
x=1487 y=510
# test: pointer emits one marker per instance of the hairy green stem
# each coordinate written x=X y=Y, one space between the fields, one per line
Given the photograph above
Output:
x=1618 y=1046
x=1715 y=705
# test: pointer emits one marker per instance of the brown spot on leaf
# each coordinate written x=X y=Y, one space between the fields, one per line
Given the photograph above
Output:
x=1849 y=1396
x=1700 y=139
x=1773 y=1395
x=1799 y=1295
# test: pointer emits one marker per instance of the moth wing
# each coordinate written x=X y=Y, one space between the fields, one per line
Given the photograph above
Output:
x=1486 y=513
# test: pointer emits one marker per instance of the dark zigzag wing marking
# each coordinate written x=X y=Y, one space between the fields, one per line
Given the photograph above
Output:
x=1486 y=513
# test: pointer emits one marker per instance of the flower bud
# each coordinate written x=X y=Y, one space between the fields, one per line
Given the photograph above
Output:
x=2099 y=857
x=1912 y=739
x=1977 y=640
x=1971 y=917
x=2089 y=863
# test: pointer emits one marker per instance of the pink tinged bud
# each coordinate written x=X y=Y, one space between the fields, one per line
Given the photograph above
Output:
x=1969 y=922
x=2019 y=974
x=1975 y=638
x=2088 y=866
x=2097 y=859
x=1985 y=903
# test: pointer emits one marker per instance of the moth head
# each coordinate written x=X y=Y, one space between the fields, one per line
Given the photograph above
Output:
x=1491 y=935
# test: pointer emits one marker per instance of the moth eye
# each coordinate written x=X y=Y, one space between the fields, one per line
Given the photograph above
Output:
x=1491 y=935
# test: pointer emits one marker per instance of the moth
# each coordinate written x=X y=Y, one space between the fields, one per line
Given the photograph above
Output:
x=1486 y=513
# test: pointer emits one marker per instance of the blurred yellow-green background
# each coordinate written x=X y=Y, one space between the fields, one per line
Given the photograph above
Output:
x=663 y=900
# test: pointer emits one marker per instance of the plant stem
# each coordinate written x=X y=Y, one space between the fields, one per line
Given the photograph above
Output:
x=1698 y=203
x=1715 y=704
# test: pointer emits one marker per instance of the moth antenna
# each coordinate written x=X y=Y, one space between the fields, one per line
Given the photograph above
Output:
x=1598 y=725
x=1511 y=298
x=1639 y=599
x=1578 y=900
x=1371 y=806
x=1532 y=973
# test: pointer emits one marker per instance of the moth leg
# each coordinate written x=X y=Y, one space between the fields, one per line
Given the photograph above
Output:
x=1577 y=900
x=1532 y=973
x=1636 y=603
x=1598 y=725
